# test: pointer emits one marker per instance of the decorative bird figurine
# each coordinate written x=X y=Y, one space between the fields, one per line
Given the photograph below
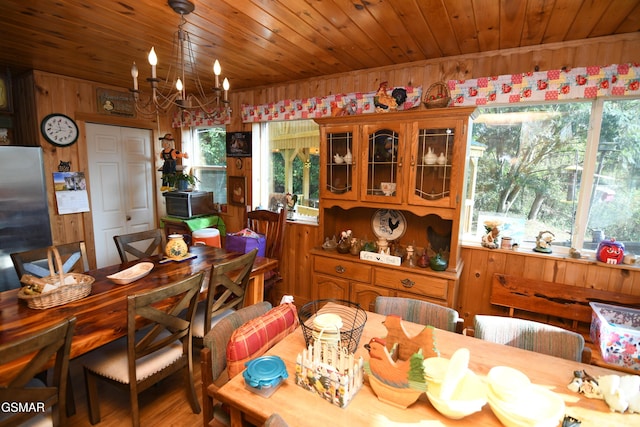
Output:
x=408 y=345
x=392 y=225
x=382 y=100
x=399 y=374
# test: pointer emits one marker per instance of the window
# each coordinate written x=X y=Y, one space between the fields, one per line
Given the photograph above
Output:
x=292 y=152
x=569 y=169
x=208 y=161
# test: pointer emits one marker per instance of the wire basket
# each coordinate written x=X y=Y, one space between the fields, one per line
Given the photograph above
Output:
x=437 y=96
x=64 y=293
x=352 y=315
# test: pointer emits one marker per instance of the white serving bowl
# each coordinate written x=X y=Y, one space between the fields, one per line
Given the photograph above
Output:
x=536 y=407
x=469 y=397
x=507 y=383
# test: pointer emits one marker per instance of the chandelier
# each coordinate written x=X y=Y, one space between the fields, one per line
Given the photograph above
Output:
x=171 y=92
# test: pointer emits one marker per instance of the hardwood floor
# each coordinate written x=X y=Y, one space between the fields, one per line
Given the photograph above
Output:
x=162 y=405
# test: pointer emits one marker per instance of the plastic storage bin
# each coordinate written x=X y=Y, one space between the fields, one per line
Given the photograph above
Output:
x=616 y=331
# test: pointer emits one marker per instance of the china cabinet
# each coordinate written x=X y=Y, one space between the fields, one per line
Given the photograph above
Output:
x=407 y=168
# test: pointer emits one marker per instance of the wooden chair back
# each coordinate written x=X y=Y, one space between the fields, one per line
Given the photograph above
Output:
x=418 y=311
x=227 y=286
x=40 y=347
x=213 y=356
x=157 y=320
x=138 y=245
x=271 y=225
x=34 y=262
x=532 y=336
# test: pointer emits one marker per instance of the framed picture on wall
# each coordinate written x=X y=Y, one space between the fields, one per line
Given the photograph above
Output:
x=237 y=190
x=5 y=92
x=238 y=144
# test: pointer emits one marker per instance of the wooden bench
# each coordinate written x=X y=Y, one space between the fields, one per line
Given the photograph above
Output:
x=561 y=305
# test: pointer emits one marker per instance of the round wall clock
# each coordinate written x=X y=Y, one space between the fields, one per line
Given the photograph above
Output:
x=59 y=130
x=388 y=224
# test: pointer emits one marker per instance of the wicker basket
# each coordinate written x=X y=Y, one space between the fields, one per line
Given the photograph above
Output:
x=352 y=315
x=437 y=96
x=64 y=293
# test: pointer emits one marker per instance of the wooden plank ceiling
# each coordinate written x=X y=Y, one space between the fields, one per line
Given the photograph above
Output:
x=262 y=42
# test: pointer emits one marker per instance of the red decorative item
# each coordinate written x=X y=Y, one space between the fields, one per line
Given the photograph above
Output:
x=610 y=252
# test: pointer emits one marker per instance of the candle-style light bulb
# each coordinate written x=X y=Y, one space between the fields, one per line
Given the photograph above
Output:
x=153 y=60
x=225 y=86
x=134 y=74
x=179 y=85
x=217 y=70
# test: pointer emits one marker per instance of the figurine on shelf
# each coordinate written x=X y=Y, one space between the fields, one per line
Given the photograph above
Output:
x=169 y=156
x=543 y=242
x=344 y=245
x=490 y=239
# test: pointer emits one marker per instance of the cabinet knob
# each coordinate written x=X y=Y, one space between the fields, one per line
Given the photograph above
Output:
x=340 y=269
x=128 y=217
x=407 y=283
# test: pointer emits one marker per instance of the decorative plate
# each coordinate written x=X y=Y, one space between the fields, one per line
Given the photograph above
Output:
x=388 y=224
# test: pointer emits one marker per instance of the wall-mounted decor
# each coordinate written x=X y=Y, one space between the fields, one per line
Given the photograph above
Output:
x=5 y=92
x=238 y=144
x=237 y=190
x=71 y=192
x=115 y=103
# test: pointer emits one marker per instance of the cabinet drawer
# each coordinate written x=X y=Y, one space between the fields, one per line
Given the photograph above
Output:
x=346 y=269
x=410 y=282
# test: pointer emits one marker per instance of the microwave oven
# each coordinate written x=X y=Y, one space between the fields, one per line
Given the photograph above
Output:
x=189 y=204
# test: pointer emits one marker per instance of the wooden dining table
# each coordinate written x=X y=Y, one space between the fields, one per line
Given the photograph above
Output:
x=299 y=407
x=102 y=315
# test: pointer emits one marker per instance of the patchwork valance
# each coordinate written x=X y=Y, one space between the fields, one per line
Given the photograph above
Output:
x=554 y=85
x=317 y=107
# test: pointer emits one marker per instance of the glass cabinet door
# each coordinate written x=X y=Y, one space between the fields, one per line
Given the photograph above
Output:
x=339 y=173
x=432 y=165
x=382 y=181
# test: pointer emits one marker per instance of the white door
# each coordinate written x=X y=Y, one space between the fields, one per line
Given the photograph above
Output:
x=121 y=185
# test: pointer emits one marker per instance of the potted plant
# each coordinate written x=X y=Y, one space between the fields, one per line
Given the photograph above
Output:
x=179 y=180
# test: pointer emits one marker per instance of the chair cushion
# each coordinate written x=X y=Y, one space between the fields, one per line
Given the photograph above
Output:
x=258 y=335
x=197 y=327
x=111 y=360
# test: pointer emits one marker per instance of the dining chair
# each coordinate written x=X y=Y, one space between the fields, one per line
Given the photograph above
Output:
x=272 y=226
x=213 y=359
x=138 y=245
x=34 y=262
x=158 y=344
x=39 y=348
x=418 y=311
x=533 y=336
x=226 y=291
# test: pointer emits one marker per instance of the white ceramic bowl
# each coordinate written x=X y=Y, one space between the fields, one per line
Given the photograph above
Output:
x=538 y=407
x=435 y=369
x=507 y=383
x=469 y=397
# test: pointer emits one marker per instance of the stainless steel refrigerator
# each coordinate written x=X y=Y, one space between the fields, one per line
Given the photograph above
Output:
x=24 y=216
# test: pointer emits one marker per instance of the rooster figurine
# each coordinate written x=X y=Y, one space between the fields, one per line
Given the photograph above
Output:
x=382 y=100
x=407 y=345
x=398 y=374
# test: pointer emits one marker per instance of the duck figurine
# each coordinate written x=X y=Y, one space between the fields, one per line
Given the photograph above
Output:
x=441 y=160
x=338 y=159
x=430 y=157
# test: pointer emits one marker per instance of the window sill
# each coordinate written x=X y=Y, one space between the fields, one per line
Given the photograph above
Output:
x=588 y=259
